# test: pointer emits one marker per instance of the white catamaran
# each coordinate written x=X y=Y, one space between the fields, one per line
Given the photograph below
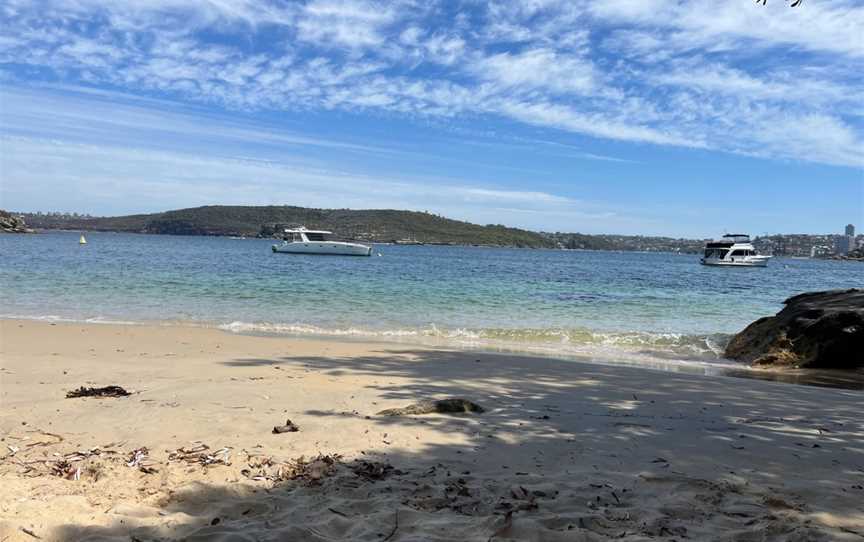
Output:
x=303 y=241
x=733 y=249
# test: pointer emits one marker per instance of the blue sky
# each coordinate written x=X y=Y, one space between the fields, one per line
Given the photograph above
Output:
x=602 y=116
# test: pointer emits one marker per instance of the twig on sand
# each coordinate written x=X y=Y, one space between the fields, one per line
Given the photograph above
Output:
x=395 y=527
x=41 y=443
x=31 y=533
x=338 y=513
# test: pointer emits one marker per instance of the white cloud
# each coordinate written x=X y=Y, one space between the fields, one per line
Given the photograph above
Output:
x=827 y=25
x=566 y=118
x=343 y=23
x=75 y=116
x=537 y=68
x=803 y=137
x=661 y=72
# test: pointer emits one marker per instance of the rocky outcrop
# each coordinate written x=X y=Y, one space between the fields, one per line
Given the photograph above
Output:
x=814 y=330
x=10 y=223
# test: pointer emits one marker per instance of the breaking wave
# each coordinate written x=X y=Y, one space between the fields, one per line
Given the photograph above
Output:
x=659 y=350
x=636 y=347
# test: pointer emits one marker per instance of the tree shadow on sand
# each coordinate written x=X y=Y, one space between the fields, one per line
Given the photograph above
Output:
x=564 y=451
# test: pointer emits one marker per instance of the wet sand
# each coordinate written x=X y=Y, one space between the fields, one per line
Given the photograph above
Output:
x=564 y=451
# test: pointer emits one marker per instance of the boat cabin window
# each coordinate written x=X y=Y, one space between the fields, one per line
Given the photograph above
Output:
x=719 y=253
x=315 y=237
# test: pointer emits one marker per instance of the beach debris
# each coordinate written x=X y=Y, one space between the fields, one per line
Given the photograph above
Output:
x=314 y=470
x=140 y=458
x=289 y=427
x=65 y=469
x=136 y=457
x=372 y=471
x=311 y=471
x=106 y=391
x=457 y=487
x=525 y=500
x=262 y=466
x=25 y=530
x=200 y=453
x=67 y=466
x=439 y=406
x=45 y=443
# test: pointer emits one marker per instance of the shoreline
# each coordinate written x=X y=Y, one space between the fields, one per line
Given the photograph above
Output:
x=565 y=449
x=722 y=367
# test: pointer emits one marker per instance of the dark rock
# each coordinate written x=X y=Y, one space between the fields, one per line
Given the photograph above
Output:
x=289 y=427
x=814 y=330
x=441 y=406
x=107 y=391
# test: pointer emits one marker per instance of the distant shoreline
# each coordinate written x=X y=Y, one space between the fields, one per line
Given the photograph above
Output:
x=445 y=244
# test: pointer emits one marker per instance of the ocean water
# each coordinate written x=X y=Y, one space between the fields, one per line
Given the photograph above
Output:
x=637 y=308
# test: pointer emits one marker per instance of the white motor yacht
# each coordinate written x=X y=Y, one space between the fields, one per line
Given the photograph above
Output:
x=733 y=249
x=303 y=241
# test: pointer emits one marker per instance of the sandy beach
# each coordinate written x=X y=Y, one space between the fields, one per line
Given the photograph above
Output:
x=564 y=450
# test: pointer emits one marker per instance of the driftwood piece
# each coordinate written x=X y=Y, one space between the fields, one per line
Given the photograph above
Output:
x=440 y=406
x=107 y=391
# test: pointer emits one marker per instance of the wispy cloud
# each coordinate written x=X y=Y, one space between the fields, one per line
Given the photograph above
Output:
x=159 y=179
x=659 y=72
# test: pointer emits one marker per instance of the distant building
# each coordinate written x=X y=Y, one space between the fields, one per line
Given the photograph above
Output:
x=843 y=245
x=850 y=230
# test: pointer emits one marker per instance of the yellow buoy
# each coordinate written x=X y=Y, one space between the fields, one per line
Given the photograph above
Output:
x=82 y=241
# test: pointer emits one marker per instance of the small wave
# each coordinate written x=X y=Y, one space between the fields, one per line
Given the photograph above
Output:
x=662 y=346
x=659 y=350
x=64 y=319
x=308 y=329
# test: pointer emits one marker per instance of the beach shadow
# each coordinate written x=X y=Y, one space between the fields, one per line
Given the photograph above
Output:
x=719 y=458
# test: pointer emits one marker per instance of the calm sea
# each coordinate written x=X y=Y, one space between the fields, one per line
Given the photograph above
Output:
x=638 y=308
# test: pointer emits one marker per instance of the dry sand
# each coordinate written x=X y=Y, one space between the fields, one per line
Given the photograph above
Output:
x=565 y=451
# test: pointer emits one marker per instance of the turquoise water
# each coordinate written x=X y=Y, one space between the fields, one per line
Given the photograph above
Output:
x=641 y=307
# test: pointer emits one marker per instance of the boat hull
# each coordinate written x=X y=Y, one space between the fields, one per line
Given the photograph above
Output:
x=752 y=262
x=326 y=248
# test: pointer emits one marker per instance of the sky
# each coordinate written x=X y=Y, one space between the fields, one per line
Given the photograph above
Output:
x=654 y=117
